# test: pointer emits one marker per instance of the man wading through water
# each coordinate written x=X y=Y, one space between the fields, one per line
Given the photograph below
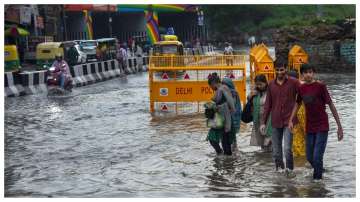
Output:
x=315 y=96
x=280 y=100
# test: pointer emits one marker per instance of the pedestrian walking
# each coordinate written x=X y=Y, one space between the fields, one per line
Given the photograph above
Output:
x=228 y=52
x=236 y=115
x=122 y=57
x=224 y=105
x=257 y=100
x=298 y=129
x=280 y=100
x=315 y=96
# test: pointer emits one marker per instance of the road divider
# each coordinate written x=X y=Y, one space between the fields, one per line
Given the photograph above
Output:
x=13 y=87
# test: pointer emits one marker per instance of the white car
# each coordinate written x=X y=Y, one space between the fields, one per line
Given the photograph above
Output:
x=82 y=55
x=89 y=48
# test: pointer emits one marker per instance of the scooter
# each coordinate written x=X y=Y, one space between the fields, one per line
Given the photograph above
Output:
x=53 y=83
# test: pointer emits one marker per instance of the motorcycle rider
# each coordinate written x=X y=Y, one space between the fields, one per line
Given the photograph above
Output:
x=62 y=70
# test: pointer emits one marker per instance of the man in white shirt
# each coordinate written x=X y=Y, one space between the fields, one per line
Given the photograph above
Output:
x=228 y=52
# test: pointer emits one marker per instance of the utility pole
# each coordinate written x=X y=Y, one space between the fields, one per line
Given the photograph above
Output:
x=64 y=23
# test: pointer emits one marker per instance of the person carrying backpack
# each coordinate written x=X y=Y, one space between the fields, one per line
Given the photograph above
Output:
x=236 y=115
x=224 y=106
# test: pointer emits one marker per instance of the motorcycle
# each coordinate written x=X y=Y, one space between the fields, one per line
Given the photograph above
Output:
x=53 y=83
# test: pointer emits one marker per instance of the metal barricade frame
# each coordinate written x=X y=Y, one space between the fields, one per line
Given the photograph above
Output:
x=180 y=79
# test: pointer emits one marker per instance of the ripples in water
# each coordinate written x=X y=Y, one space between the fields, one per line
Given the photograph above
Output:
x=104 y=143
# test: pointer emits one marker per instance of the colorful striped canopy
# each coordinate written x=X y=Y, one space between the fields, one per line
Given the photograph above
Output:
x=88 y=25
x=152 y=26
x=132 y=7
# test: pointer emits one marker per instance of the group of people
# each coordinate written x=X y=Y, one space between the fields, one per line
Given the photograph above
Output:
x=122 y=55
x=274 y=107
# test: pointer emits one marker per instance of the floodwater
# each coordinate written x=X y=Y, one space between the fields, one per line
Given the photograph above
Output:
x=102 y=142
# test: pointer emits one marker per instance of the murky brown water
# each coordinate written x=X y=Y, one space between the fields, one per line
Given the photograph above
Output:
x=102 y=142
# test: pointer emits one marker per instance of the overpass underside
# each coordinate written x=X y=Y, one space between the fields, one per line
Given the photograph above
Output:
x=126 y=25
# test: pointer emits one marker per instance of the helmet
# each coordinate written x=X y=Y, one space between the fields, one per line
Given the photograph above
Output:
x=58 y=56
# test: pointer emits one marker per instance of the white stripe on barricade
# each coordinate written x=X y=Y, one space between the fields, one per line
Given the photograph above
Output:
x=30 y=89
x=97 y=72
x=43 y=77
x=111 y=70
x=79 y=79
x=134 y=65
x=105 y=73
x=13 y=87
x=89 y=77
x=118 y=70
x=145 y=63
x=128 y=70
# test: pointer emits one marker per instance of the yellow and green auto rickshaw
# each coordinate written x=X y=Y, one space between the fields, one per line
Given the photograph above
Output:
x=107 y=47
x=12 y=61
x=170 y=51
x=45 y=53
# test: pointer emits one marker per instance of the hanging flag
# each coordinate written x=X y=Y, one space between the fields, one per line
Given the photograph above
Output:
x=88 y=25
x=152 y=26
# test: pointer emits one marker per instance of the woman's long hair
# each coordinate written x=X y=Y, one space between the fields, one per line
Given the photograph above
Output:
x=261 y=78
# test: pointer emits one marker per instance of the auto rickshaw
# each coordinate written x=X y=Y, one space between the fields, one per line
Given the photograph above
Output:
x=45 y=53
x=12 y=61
x=166 y=49
x=108 y=47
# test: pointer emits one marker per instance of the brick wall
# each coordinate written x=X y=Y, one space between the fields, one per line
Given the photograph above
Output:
x=348 y=51
x=328 y=56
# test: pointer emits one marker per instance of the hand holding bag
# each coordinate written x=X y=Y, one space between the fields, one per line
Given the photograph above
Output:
x=217 y=122
x=246 y=115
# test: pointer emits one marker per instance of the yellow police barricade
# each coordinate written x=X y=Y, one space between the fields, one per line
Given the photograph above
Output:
x=252 y=57
x=179 y=84
x=264 y=64
x=296 y=57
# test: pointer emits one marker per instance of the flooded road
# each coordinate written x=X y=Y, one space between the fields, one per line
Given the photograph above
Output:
x=103 y=142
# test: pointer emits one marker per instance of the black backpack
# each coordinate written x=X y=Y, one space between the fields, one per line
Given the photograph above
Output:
x=246 y=115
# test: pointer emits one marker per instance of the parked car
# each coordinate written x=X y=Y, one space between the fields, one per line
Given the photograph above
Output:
x=89 y=48
x=82 y=55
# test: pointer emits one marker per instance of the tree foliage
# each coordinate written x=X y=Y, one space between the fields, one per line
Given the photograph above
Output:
x=233 y=19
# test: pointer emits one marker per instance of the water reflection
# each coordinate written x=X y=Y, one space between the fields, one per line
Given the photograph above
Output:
x=102 y=142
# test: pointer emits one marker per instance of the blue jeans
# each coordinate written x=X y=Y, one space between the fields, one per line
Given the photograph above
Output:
x=315 y=149
x=62 y=80
x=277 y=137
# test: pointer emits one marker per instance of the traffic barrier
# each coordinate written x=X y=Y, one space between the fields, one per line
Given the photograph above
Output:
x=179 y=84
x=145 y=63
x=296 y=57
x=86 y=74
x=17 y=84
x=131 y=64
x=13 y=85
x=34 y=82
x=261 y=62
